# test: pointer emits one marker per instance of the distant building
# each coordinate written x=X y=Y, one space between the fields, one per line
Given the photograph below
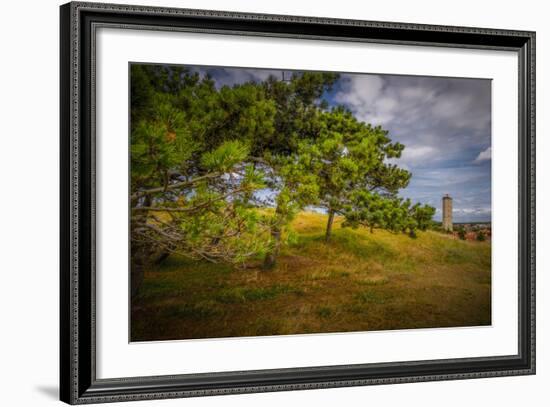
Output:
x=448 y=213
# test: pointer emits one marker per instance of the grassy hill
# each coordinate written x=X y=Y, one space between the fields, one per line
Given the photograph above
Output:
x=358 y=282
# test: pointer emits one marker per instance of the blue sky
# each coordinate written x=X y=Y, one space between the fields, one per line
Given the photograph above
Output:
x=444 y=123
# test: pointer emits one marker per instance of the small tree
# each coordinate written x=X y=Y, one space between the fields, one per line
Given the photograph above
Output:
x=349 y=156
x=423 y=215
x=298 y=104
x=480 y=236
x=297 y=188
x=394 y=214
x=462 y=233
x=372 y=211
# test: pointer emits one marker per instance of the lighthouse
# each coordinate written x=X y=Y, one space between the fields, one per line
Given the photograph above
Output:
x=447 y=213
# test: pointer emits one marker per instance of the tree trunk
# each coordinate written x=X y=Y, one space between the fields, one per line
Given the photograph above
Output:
x=161 y=257
x=271 y=258
x=329 y=225
x=139 y=253
x=136 y=277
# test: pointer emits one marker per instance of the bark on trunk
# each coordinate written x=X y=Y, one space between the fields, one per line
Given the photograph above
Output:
x=270 y=259
x=139 y=253
x=161 y=257
x=329 y=225
x=136 y=278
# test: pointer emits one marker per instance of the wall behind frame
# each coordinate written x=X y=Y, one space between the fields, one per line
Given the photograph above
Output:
x=29 y=163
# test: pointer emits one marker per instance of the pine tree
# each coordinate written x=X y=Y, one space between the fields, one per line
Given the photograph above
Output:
x=192 y=183
x=349 y=156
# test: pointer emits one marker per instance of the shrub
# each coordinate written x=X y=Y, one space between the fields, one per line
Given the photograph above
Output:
x=480 y=237
x=324 y=312
x=462 y=233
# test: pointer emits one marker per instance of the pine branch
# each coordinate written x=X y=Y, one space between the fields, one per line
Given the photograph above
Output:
x=177 y=185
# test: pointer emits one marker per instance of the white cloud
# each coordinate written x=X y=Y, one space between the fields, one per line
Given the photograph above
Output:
x=416 y=153
x=421 y=110
x=413 y=155
x=484 y=155
x=364 y=96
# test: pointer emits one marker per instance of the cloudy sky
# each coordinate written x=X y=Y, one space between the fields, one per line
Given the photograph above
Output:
x=444 y=123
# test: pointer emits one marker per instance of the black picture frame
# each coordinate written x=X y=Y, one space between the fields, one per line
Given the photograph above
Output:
x=78 y=382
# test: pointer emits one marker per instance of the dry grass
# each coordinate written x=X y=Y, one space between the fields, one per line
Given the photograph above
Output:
x=358 y=282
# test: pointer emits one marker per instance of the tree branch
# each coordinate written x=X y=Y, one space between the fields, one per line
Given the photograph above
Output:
x=189 y=209
x=177 y=185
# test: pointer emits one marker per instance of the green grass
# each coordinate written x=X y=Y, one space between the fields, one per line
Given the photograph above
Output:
x=359 y=281
x=239 y=294
x=324 y=312
x=371 y=297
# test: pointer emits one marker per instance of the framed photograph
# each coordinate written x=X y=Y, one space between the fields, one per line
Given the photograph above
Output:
x=254 y=203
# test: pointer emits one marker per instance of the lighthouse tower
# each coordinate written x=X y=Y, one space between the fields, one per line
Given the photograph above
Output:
x=447 y=213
